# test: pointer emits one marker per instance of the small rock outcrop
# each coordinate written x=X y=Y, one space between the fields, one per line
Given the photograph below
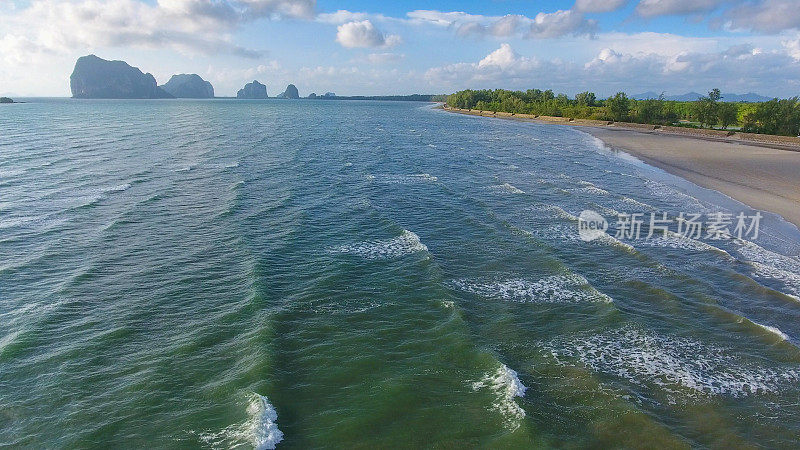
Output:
x=95 y=77
x=312 y=95
x=6 y=100
x=188 y=86
x=290 y=92
x=254 y=90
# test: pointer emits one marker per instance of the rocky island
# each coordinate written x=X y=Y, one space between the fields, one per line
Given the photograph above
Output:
x=95 y=77
x=290 y=92
x=254 y=90
x=6 y=100
x=188 y=86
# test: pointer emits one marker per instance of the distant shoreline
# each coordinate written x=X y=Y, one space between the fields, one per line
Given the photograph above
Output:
x=763 y=140
x=758 y=173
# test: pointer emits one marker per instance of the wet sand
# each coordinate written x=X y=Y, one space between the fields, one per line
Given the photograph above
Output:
x=762 y=177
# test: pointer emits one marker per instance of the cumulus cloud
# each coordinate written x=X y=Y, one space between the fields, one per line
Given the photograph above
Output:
x=653 y=8
x=742 y=68
x=190 y=26
x=598 y=6
x=561 y=23
x=792 y=48
x=384 y=58
x=343 y=16
x=363 y=34
x=766 y=16
x=544 y=25
x=502 y=65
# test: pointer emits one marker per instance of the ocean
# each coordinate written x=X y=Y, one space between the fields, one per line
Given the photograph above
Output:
x=333 y=274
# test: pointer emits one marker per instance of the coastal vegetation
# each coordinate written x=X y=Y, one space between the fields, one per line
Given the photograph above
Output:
x=780 y=117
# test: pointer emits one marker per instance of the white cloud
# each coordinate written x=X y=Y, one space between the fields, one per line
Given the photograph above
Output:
x=504 y=58
x=766 y=16
x=741 y=68
x=384 y=58
x=343 y=16
x=598 y=6
x=363 y=34
x=544 y=25
x=445 y=19
x=189 y=26
x=561 y=23
x=653 y=8
x=792 y=48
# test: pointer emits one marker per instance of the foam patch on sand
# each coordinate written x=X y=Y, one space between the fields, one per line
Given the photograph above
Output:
x=259 y=431
x=505 y=384
x=682 y=368
x=570 y=288
x=405 y=244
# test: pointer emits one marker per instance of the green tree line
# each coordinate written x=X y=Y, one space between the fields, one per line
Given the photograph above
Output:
x=781 y=117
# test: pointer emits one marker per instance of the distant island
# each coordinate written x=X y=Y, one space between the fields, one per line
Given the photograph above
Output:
x=252 y=91
x=290 y=92
x=6 y=100
x=94 y=77
x=188 y=86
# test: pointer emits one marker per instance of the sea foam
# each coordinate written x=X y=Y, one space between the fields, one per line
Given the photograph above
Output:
x=768 y=264
x=504 y=383
x=680 y=367
x=260 y=430
x=405 y=244
x=569 y=288
x=507 y=188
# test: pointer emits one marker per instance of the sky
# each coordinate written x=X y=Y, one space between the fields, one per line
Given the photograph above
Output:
x=359 y=47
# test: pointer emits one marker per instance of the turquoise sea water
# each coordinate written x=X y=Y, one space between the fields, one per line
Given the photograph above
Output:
x=234 y=274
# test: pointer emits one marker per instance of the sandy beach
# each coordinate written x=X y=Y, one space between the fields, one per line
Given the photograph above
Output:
x=765 y=176
x=762 y=177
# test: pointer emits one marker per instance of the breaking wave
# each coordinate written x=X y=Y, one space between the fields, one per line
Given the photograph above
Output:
x=260 y=430
x=681 y=367
x=405 y=244
x=570 y=288
x=505 y=385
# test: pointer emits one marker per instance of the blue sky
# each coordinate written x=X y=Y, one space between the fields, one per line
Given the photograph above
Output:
x=360 y=47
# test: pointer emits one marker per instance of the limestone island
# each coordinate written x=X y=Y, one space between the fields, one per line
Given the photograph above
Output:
x=188 y=86
x=253 y=91
x=95 y=77
x=290 y=92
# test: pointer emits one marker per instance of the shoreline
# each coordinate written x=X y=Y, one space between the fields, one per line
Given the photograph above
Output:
x=760 y=174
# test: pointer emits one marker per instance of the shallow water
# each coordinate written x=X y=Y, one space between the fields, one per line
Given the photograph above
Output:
x=334 y=274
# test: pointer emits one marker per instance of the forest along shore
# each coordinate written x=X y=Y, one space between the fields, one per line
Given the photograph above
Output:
x=758 y=170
